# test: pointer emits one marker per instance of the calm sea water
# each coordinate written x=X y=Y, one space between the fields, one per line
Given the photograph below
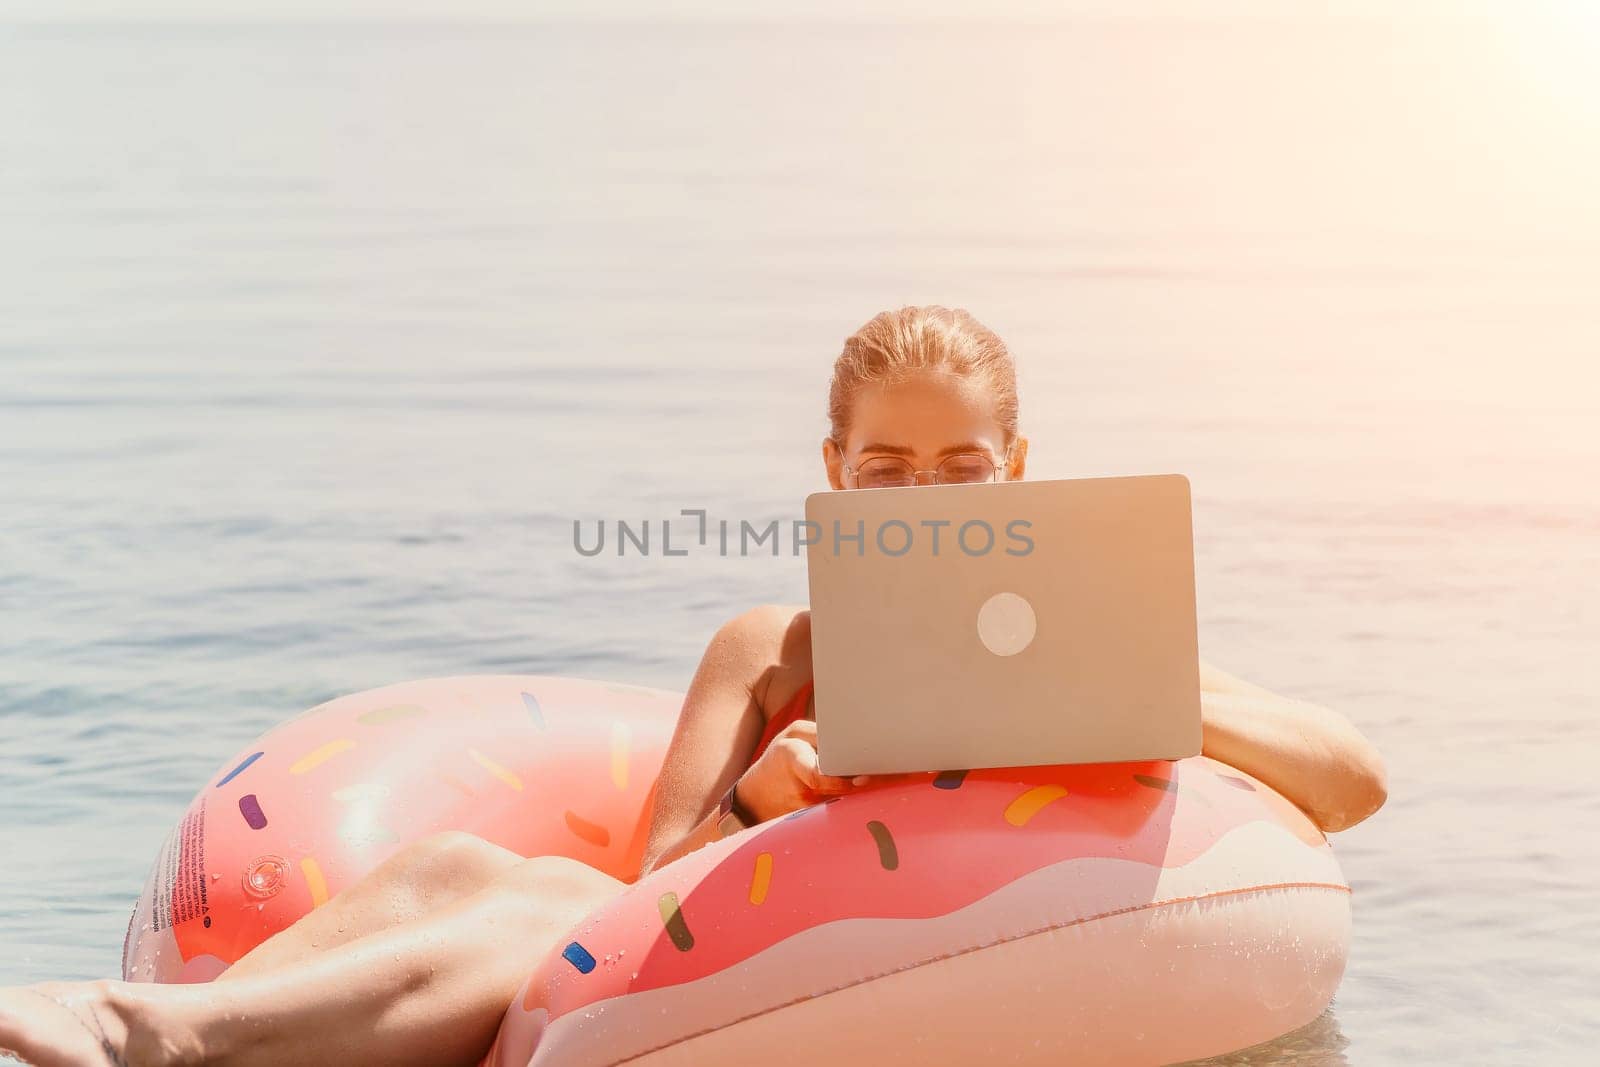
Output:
x=315 y=340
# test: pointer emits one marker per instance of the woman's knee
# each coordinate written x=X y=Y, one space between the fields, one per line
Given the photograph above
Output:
x=551 y=889
x=450 y=863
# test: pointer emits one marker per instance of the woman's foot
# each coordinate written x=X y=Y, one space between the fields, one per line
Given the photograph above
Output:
x=89 y=1024
x=56 y=1026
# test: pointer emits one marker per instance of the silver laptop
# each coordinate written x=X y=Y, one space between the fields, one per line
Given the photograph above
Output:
x=1003 y=624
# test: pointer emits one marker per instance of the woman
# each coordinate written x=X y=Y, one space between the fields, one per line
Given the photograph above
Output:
x=411 y=965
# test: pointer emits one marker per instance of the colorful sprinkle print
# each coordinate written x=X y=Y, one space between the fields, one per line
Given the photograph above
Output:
x=672 y=916
x=579 y=957
x=314 y=881
x=535 y=713
x=761 y=879
x=496 y=769
x=593 y=833
x=1156 y=783
x=950 y=779
x=379 y=716
x=320 y=755
x=1029 y=804
x=888 y=855
x=231 y=775
x=250 y=808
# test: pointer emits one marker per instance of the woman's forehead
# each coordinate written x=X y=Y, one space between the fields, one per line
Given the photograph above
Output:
x=924 y=416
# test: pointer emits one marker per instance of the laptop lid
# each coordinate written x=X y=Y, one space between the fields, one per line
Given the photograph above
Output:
x=1003 y=624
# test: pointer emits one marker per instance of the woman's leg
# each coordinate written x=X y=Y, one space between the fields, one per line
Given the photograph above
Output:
x=430 y=992
x=416 y=881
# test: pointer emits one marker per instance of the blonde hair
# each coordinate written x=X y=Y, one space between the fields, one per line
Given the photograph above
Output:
x=896 y=344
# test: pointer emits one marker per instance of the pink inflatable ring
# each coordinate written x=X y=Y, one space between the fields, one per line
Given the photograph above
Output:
x=1137 y=913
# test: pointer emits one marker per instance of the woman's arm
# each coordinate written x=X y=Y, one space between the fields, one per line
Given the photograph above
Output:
x=719 y=727
x=1313 y=756
x=716 y=733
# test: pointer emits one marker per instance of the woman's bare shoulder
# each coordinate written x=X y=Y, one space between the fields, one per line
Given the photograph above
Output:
x=774 y=625
x=778 y=636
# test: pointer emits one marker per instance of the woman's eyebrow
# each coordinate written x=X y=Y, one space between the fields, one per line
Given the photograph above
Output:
x=965 y=446
x=903 y=450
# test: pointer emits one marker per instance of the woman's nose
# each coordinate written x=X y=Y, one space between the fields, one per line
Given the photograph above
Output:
x=924 y=477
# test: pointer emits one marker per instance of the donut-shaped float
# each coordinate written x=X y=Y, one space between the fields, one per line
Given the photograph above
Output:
x=1134 y=913
x=540 y=765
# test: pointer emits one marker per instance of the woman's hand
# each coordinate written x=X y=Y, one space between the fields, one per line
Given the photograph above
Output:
x=786 y=777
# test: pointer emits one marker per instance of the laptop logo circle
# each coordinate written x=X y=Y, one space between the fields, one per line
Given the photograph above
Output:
x=1006 y=624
